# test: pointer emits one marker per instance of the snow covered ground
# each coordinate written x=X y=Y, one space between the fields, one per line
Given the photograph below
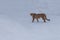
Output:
x=15 y=20
x=24 y=29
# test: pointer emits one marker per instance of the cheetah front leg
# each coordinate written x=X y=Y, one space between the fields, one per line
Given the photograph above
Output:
x=33 y=19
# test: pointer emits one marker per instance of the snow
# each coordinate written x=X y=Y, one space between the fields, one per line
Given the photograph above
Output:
x=16 y=22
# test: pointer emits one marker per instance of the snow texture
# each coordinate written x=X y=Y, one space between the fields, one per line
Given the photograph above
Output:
x=16 y=22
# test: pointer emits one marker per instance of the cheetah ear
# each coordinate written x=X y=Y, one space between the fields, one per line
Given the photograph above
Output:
x=31 y=14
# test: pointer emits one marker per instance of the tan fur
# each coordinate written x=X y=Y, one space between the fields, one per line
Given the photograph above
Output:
x=37 y=16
